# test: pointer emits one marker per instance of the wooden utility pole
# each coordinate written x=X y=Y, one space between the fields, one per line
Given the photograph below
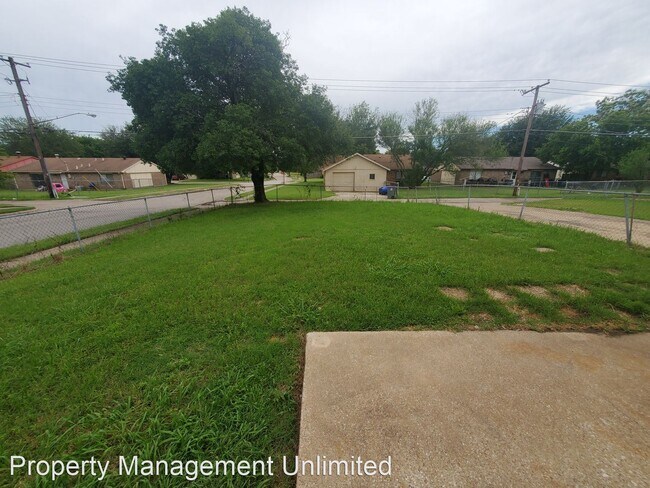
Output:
x=30 y=123
x=531 y=115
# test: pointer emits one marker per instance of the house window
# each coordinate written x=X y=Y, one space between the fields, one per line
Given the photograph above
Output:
x=372 y=176
x=475 y=174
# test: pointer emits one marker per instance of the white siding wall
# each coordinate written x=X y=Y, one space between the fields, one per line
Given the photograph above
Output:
x=356 y=169
x=142 y=167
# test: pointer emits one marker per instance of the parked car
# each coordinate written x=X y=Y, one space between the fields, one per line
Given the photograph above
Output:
x=483 y=181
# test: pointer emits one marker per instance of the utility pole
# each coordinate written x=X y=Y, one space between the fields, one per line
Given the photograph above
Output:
x=531 y=115
x=30 y=123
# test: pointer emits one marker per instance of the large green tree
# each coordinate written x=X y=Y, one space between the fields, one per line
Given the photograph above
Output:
x=220 y=95
x=433 y=144
x=362 y=124
x=547 y=120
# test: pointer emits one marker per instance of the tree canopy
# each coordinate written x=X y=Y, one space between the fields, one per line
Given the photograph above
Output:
x=223 y=95
x=592 y=147
x=511 y=134
x=433 y=144
x=14 y=137
x=362 y=123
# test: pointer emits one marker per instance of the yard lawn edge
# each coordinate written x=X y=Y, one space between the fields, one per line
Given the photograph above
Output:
x=92 y=236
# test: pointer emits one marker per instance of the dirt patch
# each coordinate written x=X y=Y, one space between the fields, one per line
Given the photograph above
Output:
x=536 y=291
x=480 y=318
x=573 y=290
x=455 y=293
x=277 y=339
x=544 y=249
x=410 y=328
x=570 y=313
x=624 y=315
x=444 y=227
x=524 y=314
x=613 y=271
x=301 y=238
x=498 y=295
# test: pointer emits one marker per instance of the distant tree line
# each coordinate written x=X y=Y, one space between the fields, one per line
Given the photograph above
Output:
x=111 y=142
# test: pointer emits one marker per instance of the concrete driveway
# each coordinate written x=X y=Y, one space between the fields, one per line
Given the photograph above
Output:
x=504 y=408
x=604 y=225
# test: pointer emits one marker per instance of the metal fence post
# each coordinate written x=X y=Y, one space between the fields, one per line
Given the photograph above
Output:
x=523 y=205
x=416 y=194
x=276 y=193
x=146 y=206
x=232 y=199
x=628 y=220
x=187 y=195
x=214 y=205
x=320 y=188
x=469 y=195
x=75 y=229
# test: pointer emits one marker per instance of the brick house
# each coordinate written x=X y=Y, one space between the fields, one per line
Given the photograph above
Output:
x=104 y=173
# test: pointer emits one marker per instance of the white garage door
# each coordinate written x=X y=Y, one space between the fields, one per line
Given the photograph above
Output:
x=142 y=180
x=342 y=181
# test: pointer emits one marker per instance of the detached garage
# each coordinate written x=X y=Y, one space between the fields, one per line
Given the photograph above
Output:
x=363 y=172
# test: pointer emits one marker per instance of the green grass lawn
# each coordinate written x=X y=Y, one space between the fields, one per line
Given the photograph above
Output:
x=176 y=187
x=5 y=209
x=596 y=204
x=168 y=346
x=7 y=195
x=443 y=191
x=312 y=189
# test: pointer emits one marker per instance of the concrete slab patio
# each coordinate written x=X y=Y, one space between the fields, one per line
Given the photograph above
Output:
x=502 y=408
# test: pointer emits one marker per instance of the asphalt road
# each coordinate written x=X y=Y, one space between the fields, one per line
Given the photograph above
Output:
x=52 y=218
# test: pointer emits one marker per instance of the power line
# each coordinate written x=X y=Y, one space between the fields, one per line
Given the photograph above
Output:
x=68 y=61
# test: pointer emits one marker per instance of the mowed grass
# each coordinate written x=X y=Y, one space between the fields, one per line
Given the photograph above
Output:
x=5 y=209
x=119 y=194
x=185 y=341
x=598 y=204
x=8 y=195
x=312 y=189
x=446 y=191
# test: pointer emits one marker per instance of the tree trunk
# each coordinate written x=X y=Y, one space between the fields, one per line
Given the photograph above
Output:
x=257 y=176
x=304 y=175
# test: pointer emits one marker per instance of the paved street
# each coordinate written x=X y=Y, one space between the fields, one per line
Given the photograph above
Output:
x=52 y=218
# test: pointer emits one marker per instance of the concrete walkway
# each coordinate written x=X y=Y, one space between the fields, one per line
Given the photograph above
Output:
x=504 y=408
x=604 y=225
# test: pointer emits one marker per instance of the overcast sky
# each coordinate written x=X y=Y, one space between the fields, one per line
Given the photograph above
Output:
x=416 y=49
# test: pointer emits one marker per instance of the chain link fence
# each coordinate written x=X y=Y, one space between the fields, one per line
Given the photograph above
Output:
x=23 y=233
x=612 y=214
x=619 y=215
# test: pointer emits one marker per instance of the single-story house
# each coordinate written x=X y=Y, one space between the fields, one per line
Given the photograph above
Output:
x=533 y=170
x=11 y=163
x=104 y=173
x=364 y=172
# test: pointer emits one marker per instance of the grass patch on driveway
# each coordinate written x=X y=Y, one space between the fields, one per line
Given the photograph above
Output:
x=184 y=342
